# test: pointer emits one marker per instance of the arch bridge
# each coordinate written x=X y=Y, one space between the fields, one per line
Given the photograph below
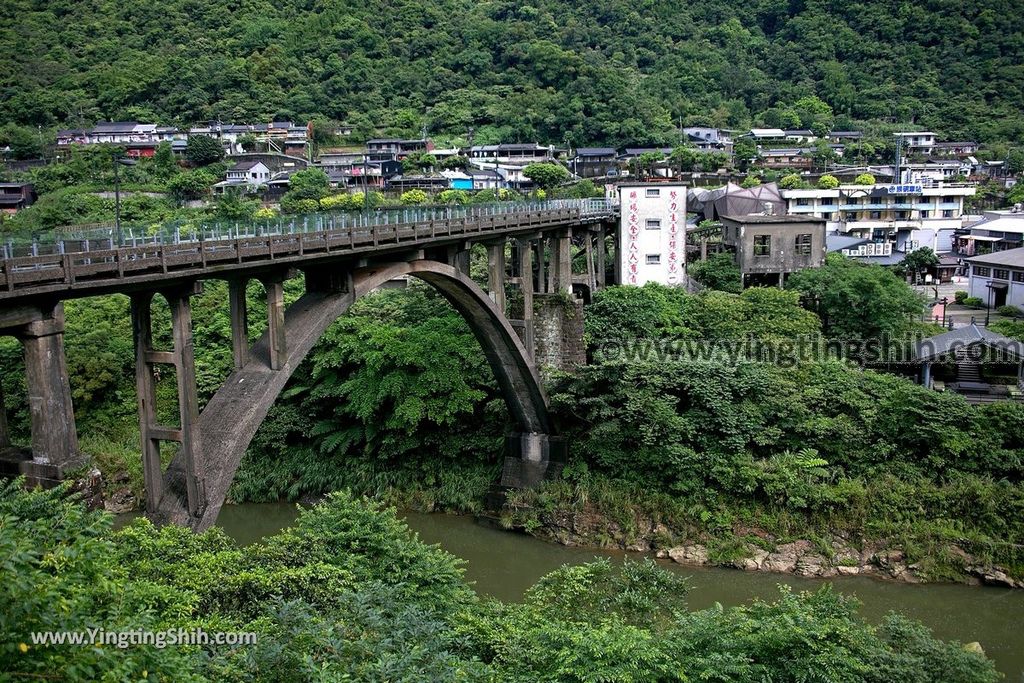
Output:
x=342 y=257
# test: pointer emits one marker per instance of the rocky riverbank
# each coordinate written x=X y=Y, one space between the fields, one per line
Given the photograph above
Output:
x=755 y=549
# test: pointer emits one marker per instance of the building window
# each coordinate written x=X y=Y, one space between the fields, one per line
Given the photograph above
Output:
x=803 y=245
x=1018 y=276
x=827 y=201
x=901 y=215
x=947 y=213
x=653 y=259
x=875 y=215
x=827 y=215
x=652 y=192
x=803 y=202
x=925 y=214
x=654 y=224
x=982 y=271
x=762 y=245
x=1001 y=274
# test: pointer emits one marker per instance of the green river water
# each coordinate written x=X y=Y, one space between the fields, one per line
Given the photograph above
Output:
x=503 y=564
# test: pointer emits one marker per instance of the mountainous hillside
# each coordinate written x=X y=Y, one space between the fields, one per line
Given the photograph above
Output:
x=611 y=72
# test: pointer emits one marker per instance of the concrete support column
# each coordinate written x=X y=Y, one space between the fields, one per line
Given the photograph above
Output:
x=142 y=330
x=182 y=357
x=531 y=458
x=541 y=284
x=496 y=274
x=278 y=346
x=188 y=400
x=458 y=258
x=602 y=253
x=926 y=375
x=561 y=262
x=239 y=321
x=54 y=438
x=525 y=259
x=588 y=248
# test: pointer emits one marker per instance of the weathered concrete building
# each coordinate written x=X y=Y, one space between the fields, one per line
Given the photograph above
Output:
x=766 y=248
x=652 y=234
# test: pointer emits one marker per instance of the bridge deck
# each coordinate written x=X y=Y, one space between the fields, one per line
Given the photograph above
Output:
x=73 y=271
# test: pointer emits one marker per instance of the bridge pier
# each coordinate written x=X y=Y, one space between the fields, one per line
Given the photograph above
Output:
x=277 y=346
x=239 y=320
x=54 y=437
x=496 y=274
x=560 y=278
x=531 y=458
x=186 y=434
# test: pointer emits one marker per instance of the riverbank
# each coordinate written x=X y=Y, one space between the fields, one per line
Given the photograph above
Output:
x=599 y=516
x=504 y=565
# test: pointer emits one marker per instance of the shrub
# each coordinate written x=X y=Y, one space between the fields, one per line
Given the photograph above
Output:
x=414 y=197
x=960 y=296
x=792 y=181
x=864 y=179
x=1010 y=311
x=973 y=302
x=828 y=182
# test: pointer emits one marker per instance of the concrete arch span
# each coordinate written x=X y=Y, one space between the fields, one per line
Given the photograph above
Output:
x=229 y=421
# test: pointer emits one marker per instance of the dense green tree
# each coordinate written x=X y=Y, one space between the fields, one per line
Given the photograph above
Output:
x=919 y=261
x=546 y=175
x=718 y=271
x=857 y=301
x=828 y=182
x=203 y=150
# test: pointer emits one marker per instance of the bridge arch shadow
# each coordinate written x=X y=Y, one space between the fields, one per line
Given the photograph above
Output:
x=228 y=423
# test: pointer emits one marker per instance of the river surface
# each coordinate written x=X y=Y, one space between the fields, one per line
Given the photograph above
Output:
x=504 y=564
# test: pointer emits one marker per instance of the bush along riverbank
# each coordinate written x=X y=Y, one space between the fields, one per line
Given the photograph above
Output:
x=349 y=593
x=602 y=513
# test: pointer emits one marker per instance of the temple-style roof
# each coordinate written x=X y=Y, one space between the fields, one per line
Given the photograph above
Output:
x=954 y=340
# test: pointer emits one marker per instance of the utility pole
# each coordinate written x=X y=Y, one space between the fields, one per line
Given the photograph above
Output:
x=897 y=176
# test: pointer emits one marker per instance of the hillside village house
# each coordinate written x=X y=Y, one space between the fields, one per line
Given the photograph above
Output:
x=998 y=278
x=16 y=196
x=247 y=176
x=892 y=218
x=917 y=143
x=594 y=162
x=515 y=153
x=395 y=149
x=708 y=139
x=652 y=234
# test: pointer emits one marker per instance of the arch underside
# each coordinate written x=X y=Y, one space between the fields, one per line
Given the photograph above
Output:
x=229 y=421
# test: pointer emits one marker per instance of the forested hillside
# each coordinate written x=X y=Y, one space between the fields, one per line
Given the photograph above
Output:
x=613 y=72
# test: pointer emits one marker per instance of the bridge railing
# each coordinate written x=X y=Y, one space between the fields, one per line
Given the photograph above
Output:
x=179 y=232
x=65 y=261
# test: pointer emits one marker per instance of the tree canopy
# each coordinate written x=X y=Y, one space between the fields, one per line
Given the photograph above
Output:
x=614 y=73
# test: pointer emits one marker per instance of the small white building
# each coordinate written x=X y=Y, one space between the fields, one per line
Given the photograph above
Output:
x=652 y=234
x=247 y=176
x=998 y=278
x=918 y=143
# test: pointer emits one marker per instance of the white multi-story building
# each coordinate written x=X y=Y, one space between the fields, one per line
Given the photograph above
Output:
x=918 y=143
x=895 y=218
x=652 y=234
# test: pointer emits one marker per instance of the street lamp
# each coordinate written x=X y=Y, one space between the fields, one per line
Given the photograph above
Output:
x=119 y=161
x=988 y=309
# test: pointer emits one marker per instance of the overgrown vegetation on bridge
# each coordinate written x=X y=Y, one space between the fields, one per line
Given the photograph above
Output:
x=348 y=593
